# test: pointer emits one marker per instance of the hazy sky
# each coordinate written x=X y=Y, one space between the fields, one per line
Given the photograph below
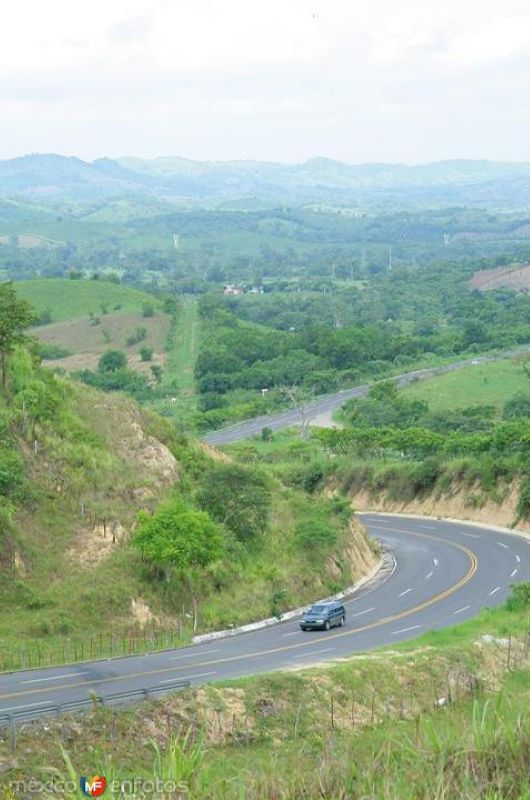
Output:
x=356 y=80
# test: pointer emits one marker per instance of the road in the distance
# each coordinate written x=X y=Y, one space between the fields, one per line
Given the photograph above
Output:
x=442 y=574
x=328 y=403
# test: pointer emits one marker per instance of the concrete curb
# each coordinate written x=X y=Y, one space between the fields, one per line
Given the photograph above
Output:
x=297 y=612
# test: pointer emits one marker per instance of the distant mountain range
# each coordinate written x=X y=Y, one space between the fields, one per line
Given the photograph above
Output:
x=251 y=184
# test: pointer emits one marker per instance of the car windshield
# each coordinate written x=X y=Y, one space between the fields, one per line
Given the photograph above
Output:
x=318 y=609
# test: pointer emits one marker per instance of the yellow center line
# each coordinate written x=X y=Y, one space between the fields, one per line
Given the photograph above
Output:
x=284 y=648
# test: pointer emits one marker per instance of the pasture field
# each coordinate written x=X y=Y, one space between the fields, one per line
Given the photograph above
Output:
x=483 y=384
x=86 y=342
x=67 y=299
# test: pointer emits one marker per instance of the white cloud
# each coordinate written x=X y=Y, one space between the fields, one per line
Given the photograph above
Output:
x=283 y=79
x=498 y=39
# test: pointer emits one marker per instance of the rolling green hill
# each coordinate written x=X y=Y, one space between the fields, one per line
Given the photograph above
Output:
x=67 y=299
x=488 y=384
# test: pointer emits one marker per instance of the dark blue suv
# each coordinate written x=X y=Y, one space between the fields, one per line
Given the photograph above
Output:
x=323 y=616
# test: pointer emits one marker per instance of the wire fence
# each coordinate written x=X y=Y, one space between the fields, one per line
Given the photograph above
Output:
x=124 y=642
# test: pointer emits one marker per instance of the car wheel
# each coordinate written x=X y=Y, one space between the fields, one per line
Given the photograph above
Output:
x=342 y=621
x=326 y=625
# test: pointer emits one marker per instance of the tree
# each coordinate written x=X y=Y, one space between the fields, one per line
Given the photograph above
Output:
x=112 y=361
x=15 y=316
x=237 y=496
x=177 y=537
x=384 y=390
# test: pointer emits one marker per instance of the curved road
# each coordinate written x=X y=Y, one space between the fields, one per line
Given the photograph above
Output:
x=326 y=404
x=441 y=573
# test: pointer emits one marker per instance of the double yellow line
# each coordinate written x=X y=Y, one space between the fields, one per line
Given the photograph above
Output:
x=473 y=564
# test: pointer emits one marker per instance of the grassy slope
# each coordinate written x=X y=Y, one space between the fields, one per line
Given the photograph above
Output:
x=492 y=383
x=68 y=299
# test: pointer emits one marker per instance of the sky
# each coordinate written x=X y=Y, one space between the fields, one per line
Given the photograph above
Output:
x=279 y=80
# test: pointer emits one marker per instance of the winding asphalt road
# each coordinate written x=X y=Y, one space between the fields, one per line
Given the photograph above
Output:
x=326 y=404
x=438 y=574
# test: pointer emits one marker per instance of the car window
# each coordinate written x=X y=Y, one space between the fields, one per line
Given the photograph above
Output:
x=318 y=609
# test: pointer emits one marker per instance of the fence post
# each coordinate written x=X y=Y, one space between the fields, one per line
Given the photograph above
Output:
x=13 y=733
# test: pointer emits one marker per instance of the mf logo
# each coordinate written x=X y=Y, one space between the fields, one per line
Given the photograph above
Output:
x=94 y=786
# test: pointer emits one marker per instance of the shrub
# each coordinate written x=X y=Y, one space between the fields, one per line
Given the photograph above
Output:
x=517 y=407
x=50 y=351
x=278 y=602
x=237 y=496
x=44 y=318
x=177 y=537
x=523 y=503
x=148 y=310
x=314 y=533
x=112 y=361
x=157 y=372
x=308 y=478
x=146 y=353
x=138 y=336
x=425 y=474
x=519 y=598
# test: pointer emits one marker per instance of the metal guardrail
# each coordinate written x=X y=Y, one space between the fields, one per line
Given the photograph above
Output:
x=9 y=719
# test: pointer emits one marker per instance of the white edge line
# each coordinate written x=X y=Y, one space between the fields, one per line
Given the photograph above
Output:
x=464 y=608
x=29 y=705
x=404 y=630
x=495 y=590
x=194 y=655
x=191 y=677
x=57 y=677
x=315 y=652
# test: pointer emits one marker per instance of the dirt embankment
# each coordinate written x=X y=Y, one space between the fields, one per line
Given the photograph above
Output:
x=462 y=503
x=362 y=555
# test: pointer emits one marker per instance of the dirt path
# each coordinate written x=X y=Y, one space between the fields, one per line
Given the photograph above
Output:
x=184 y=354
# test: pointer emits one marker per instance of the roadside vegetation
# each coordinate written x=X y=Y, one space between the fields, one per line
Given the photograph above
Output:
x=445 y=716
x=394 y=446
